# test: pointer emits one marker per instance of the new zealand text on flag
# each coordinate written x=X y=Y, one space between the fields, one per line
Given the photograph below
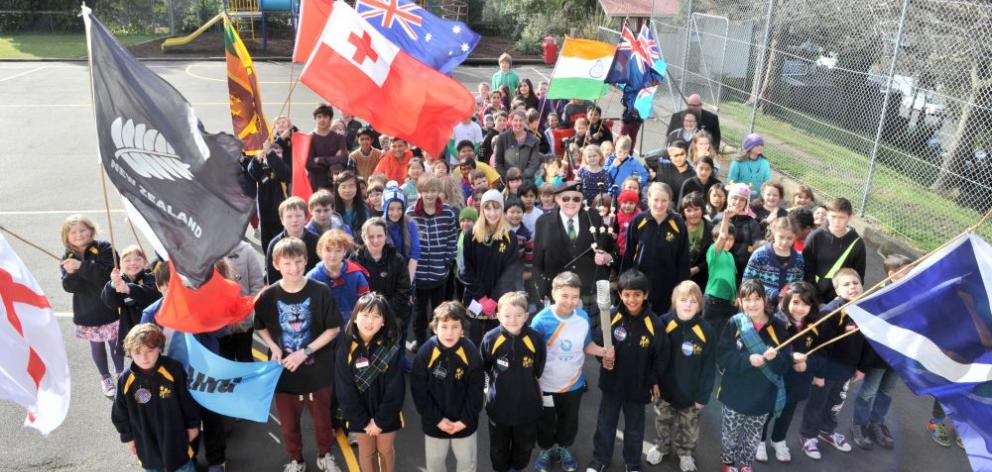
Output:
x=934 y=327
x=182 y=187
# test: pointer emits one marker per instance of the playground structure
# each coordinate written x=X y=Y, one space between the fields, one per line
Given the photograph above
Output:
x=244 y=13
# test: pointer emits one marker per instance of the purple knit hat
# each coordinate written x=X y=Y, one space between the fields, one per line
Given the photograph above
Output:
x=753 y=140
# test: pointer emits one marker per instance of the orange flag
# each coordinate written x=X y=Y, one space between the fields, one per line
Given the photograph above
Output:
x=301 y=150
x=216 y=304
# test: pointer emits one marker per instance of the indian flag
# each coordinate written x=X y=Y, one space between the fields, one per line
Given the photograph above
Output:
x=581 y=69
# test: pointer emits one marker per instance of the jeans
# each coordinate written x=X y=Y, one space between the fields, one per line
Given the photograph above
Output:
x=606 y=430
x=820 y=414
x=873 y=400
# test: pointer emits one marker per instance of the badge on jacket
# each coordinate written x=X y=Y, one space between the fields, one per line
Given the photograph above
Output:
x=620 y=333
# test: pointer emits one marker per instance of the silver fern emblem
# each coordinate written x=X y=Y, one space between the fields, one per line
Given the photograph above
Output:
x=147 y=152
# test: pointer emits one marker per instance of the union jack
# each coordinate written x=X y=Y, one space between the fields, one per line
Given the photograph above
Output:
x=390 y=11
x=643 y=48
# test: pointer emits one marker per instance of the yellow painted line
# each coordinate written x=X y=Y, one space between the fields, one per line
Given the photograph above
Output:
x=349 y=455
x=190 y=73
x=258 y=355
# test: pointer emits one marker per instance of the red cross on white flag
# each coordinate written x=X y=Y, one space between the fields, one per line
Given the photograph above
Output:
x=34 y=372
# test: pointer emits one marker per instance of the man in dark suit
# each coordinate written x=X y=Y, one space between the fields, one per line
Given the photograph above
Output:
x=563 y=241
x=708 y=122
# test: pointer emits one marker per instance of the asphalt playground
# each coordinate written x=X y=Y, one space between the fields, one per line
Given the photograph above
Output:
x=49 y=170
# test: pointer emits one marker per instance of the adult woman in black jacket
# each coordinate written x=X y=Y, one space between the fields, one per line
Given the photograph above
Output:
x=388 y=273
x=517 y=147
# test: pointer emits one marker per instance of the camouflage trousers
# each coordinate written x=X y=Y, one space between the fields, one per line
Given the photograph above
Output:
x=677 y=429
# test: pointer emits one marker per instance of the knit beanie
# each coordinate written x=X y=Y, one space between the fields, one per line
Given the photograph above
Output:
x=393 y=193
x=468 y=213
x=739 y=190
x=628 y=196
x=492 y=195
x=752 y=141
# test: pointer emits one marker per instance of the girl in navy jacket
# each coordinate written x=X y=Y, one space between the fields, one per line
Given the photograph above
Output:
x=753 y=370
x=368 y=379
x=130 y=290
x=86 y=267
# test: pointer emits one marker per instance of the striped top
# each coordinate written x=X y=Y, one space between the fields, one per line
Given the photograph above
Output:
x=438 y=240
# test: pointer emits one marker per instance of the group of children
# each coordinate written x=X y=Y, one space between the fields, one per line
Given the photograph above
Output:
x=714 y=279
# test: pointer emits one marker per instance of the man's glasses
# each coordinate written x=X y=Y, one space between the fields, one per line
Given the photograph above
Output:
x=573 y=199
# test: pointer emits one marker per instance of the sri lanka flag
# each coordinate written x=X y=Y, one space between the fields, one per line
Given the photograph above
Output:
x=934 y=327
x=242 y=87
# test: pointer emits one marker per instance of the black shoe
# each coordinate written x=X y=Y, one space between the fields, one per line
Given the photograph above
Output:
x=881 y=435
x=860 y=436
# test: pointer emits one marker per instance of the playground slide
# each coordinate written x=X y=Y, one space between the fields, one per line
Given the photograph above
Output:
x=183 y=40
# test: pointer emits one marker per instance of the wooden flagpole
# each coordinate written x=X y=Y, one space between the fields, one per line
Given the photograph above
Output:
x=29 y=243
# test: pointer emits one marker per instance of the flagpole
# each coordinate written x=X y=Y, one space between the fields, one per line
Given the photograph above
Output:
x=103 y=172
x=29 y=243
x=970 y=229
x=831 y=341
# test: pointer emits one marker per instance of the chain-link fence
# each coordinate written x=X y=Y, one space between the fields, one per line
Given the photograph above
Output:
x=887 y=103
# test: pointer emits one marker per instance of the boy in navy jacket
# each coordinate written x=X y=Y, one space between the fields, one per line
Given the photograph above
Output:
x=629 y=381
x=446 y=383
x=513 y=358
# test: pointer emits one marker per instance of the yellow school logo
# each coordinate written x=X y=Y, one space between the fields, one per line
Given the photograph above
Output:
x=459 y=373
x=502 y=247
x=669 y=237
x=164 y=392
x=644 y=341
x=527 y=362
x=809 y=342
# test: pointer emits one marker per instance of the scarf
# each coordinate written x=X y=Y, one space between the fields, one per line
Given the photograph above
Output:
x=418 y=208
x=378 y=364
x=752 y=341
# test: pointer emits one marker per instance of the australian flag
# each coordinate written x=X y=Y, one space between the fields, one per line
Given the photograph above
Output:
x=182 y=186
x=637 y=68
x=934 y=327
x=441 y=44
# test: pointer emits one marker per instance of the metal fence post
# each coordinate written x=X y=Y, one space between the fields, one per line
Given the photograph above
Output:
x=761 y=64
x=885 y=106
x=688 y=45
x=172 y=17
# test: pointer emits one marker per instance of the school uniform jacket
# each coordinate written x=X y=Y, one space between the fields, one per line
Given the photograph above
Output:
x=797 y=384
x=447 y=383
x=513 y=365
x=660 y=251
x=154 y=410
x=744 y=388
x=389 y=276
x=691 y=371
x=485 y=264
x=642 y=356
x=842 y=358
x=554 y=252
x=87 y=283
x=382 y=401
x=142 y=292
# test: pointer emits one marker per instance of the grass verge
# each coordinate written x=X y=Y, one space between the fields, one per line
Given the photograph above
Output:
x=55 y=45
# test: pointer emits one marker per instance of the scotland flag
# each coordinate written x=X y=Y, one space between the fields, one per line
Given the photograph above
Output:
x=441 y=44
x=934 y=327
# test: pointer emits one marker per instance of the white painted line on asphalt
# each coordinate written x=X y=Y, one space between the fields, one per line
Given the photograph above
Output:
x=53 y=212
x=645 y=446
x=274 y=438
x=213 y=79
x=275 y=419
x=540 y=73
x=22 y=74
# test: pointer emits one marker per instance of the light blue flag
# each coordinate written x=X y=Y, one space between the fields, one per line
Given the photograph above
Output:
x=643 y=100
x=235 y=389
x=934 y=327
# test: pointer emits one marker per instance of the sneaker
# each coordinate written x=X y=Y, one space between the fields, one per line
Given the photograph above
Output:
x=543 y=461
x=861 y=436
x=326 y=463
x=728 y=468
x=761 y=453
x=959 y=442
x=633 y=468
x=655 y=455
x=881 y=435
x=811 y=448
x=594 y=467
x=687 y=464
x=782 y=453
x=746 y=468
x=353 y=439
x=837 y=440
x=108 y=387
x=295 y=466
x=938 y=432
x=568 y=462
